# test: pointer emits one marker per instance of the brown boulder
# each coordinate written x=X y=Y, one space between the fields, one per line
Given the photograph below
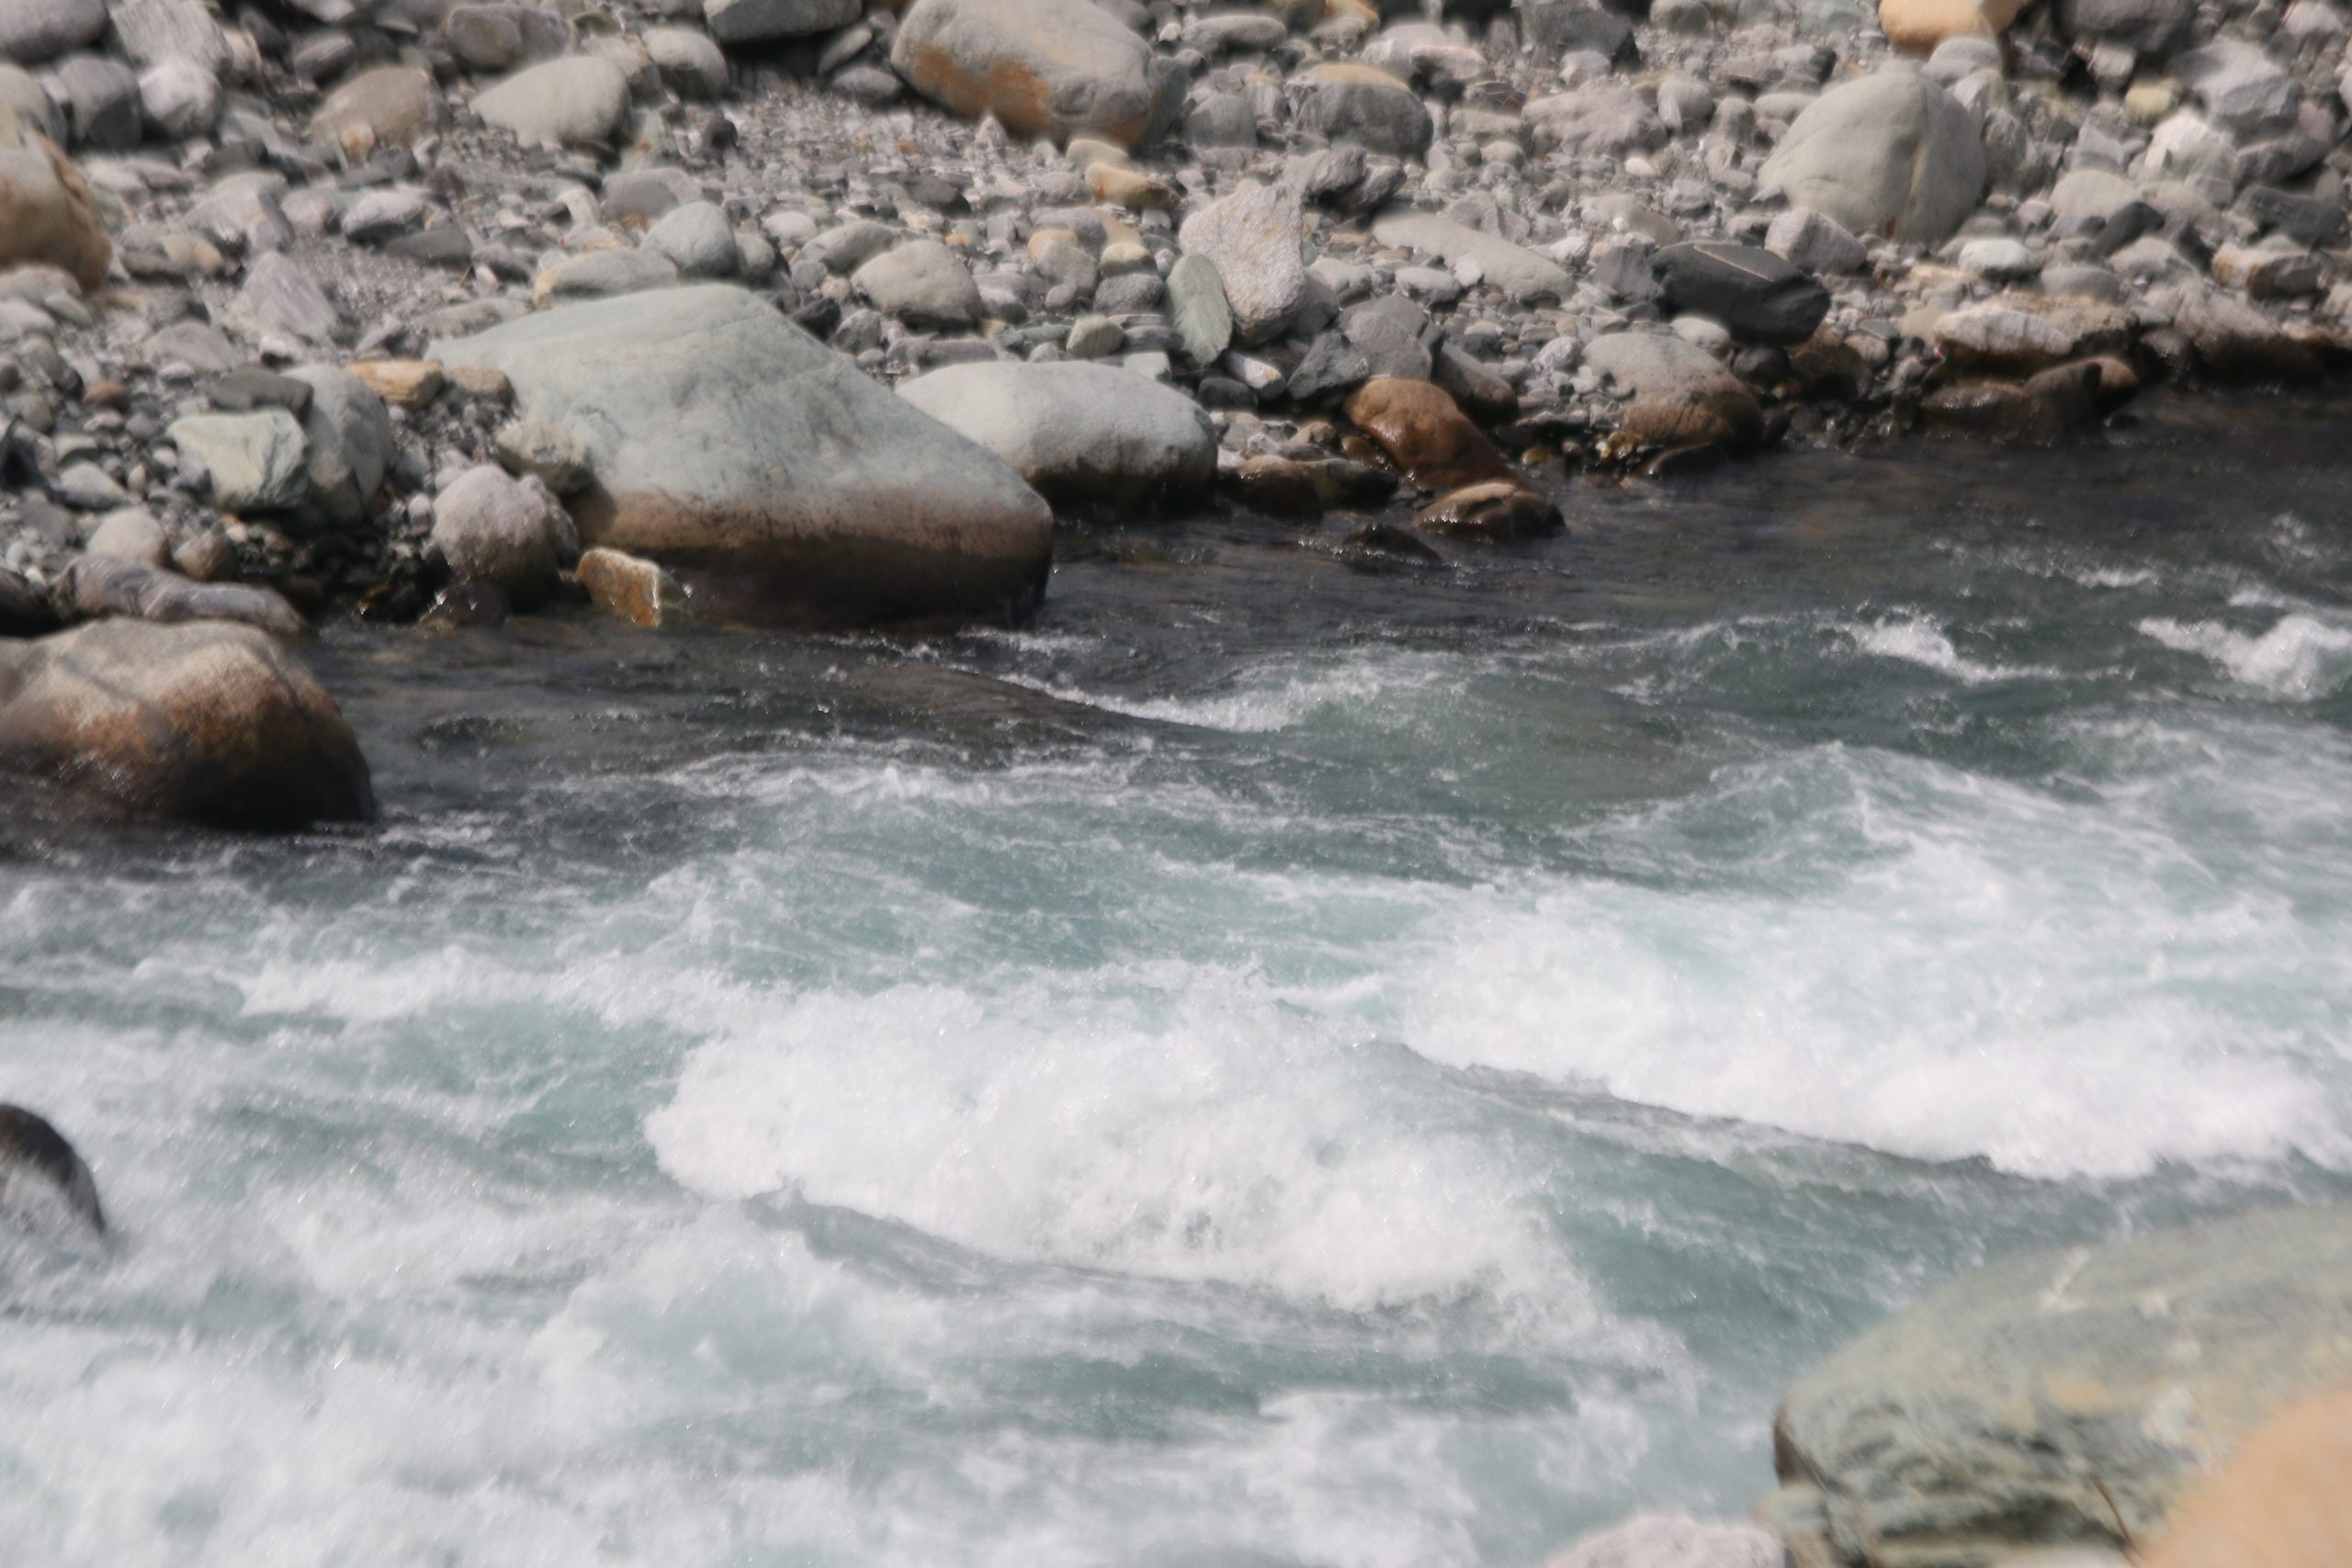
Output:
x=2283 y=1500
x=46 y=212
x=390 y=105
x=206 y=723
x=1057 y=68
x=1499 y=512
x=1426 y=434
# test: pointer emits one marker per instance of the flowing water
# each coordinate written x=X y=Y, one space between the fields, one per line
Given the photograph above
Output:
x=1274 y=1064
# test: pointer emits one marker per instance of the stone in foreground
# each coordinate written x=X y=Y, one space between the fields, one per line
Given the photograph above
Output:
x=2284 y=1500
x=2062 y=1398
x=763 y=469
x=203 y=722
x=1057 y=68
x=1082 y=434
x=34 y=1154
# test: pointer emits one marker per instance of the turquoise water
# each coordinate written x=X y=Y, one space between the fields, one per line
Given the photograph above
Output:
x=1270 y=1065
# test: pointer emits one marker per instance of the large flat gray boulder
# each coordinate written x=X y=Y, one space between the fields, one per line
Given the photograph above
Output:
x=776 y=481
x=203 y=722
x=1057 y=68
x=1888 y=153
x=1081 y=435
x=2062 y=1398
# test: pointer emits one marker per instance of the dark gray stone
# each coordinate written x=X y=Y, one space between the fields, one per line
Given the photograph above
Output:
x=1760 y=296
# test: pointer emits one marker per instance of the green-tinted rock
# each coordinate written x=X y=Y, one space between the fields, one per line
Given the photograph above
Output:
x=1196 y=309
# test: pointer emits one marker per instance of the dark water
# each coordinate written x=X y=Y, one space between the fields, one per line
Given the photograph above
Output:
x=1271 y=1063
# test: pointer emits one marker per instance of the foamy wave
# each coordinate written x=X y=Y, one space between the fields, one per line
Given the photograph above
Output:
x=2300 y=658
x=1916 y=640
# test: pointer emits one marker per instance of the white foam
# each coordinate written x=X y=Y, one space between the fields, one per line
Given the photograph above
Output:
x=1915 y=639
x=2300 y=658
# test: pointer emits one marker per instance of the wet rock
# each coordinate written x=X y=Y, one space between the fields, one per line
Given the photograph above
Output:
x=2062 y=1398
x=1887 y=153
x=492 y=527
x=2234 y=341
x=1056 y=68
x=1758 y=296
x=634 y=589
x=2051 y=407
x=1373 y=546
x=923 y=282
x=1671 y=1541
x=1365 y=105
x=760 y=21
x=1428 y=438
x=1681 y=395
x=1251 y=237
x=579 y=101
x=1498 y=512
x=1082 y=435
x=773 y=478
x=35 y=1156
x=46 y=214
x=1520 y=272
x=392 y=106
x=208 y=722
x=97 y=586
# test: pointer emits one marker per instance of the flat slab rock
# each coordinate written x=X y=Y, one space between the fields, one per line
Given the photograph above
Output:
x=777 y=481
x=2061 y=1398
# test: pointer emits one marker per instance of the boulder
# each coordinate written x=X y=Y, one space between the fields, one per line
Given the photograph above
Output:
x=150 y=32
x=2236 y=341
x=1083 y=435
x=1429 y=439
x=2243 y=90
x=692 y=66
x=1251 y=237
x=2154 y=28
x=1056 y=68
x=2062 y=1398
x=1888 y=153
x=391 y=105
x=2025 y=332
x=578 y=101
x=1682 y=396
x=256 y=461
x=698 y=238
x=1197 y=311
x=1814 y=240
x=35 y=30
x=46 y=212
x=100 y=98
x=1364 y=104
x=923 y=283
x=1496 y=511
x=503 y=34
x=97 y=586
x=764 y=21
x=639 y=591
x=180 y=98
x=279 y=296
x=513 y=533
x=761 y=467
x=2279 y=1501
x=1758 y=296
x=1517 y=272
x=205 y=722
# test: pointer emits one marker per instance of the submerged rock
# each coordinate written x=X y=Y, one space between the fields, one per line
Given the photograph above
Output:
x=2062 y=1398
x=1081 y=435
x=206 y=722
x=762 y=468
x=31 y=1151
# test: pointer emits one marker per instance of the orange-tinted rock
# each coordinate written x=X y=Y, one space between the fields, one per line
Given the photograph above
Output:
x=1428 y=438
x=1057 y=68
x=2283 y=1500
x=1918 y=25
x=46 y=212
x=1498 y=511
x=632 y=589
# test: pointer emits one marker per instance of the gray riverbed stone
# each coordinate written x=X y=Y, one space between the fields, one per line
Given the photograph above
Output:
x=2062 y=1398
x=1365 y=105
x=763 y=21
x=493 y=527
x=763 y=467
x=1081 y=435
x=579 y=101
x=1674 y=1540
x=1887 y=153
x=34 y=30
x=1251 y=237
x=1757 y=295
x=923 y=283
x=1519 y=272
x=256 y=461
x=347 y=442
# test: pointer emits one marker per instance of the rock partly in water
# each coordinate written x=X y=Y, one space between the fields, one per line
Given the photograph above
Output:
x=1083 y=435
x=1681 y=395
x=512 y=533
x=634 y=589
x=1888 y=153
x=205 y=722
x=38 y=1166
x=1057 y=68
x=1428 y=438
x=762 y=468
x=97 y=586
x=2062 y=1398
